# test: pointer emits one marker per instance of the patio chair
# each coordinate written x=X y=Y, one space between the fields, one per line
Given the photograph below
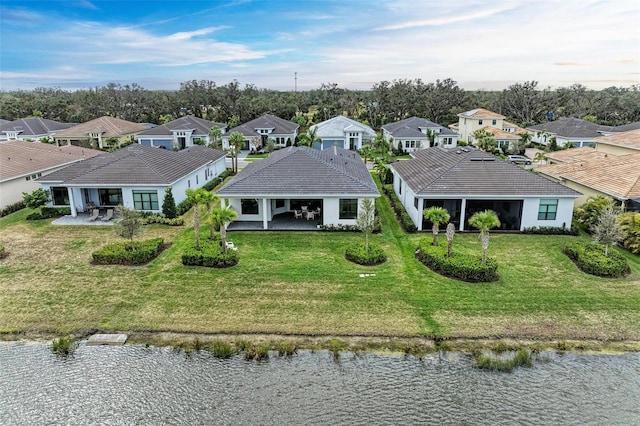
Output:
x=317 y=211
x=297 y=214
x=94 y=215
x=108 y=216
x=310 y=215
x=231 y=246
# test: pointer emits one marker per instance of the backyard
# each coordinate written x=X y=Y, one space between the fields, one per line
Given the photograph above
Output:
x=299 y=283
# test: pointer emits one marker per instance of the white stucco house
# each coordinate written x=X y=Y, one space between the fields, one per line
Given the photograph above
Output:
x=412 y=134
x=342 y=132
x=180 y=133
x=135 y=176
x=575 y=132
x=31 y=129
x=467 y=180
x=258 y=131
x=332 y=182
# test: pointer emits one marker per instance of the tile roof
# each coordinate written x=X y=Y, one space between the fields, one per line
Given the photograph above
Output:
x=189 y=122
x=499 y=133
x=472 y=172
x=337 y=126
x=574 y=154
x=136 y=165
x=572 y=128
x=410 y=127
x=626 y=127
x=480 y=113
x=629 y=139
x=19 y=158
x=279 y=125
x=305 y=172
x=616 y=175
x=518 y=129
x=108 y=126
x=34 y=126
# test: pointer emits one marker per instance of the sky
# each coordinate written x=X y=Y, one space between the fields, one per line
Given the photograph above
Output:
x=289 y=45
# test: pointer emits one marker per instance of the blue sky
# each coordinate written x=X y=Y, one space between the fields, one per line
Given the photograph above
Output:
x=158 y=44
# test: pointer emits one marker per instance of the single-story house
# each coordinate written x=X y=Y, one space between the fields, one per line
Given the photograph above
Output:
x=598 y=173
x=258 y=131
x=342 y=132
x=135 y=176
x=627 y=142
x=412 y=134
x=333 y=181
x=467 y=180
x=32 y=129
x=97 y=133
x=575 y=132
x=180 y=133
x=22 y=162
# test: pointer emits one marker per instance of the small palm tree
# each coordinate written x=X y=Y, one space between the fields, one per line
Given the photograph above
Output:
x=483 y=221
x=540 y=157
x=221 y=217
x=208 y=199
x=215 y=137
x=366 y=152
x=437 y=216
x=310 y=138
x=197 y=197
x=236 y=142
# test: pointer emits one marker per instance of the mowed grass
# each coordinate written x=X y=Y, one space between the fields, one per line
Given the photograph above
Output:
x=300 y=283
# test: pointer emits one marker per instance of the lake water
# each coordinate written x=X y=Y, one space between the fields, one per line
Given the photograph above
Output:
x=142 y=385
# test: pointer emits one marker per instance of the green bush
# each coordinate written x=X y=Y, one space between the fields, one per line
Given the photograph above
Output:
x=210 y=255
x=352 y=228
x=552 y=230
x=64 y=346
x=589 y=213
x=358 y=253
x=128 y=253
x=3 y=252
x=209 y=186
x=156 y=218
x=590 y=258
x=49 y=212
x=398 y=208
x=12 y=208
x=630 y=223
x=459 y=266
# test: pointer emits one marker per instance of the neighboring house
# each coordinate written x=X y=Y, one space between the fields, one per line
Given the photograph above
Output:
x=413 y=134
x=180 y=133
x=503 y=139
x=573 y=155
x=32 y=129
x=135 y=176
x=334 y=180
x=21 y=162
x=575 y=132
x=627 y=142
x=468 y=180
x=598 y=173
x=342 y=132
x=476 y=119
x=100 y=132
x=258 y=131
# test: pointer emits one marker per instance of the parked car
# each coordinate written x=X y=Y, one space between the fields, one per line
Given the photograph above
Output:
x=518 y=159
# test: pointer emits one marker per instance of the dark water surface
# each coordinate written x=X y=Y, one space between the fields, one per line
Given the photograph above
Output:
x=156 y=386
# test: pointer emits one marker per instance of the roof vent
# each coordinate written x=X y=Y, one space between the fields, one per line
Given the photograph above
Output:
x=458 y=152
x=465 y=149
x=482 y=159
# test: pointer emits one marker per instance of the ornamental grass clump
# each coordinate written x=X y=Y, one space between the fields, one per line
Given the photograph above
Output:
x=221 y=349
x=504 y=361
x=64 y=346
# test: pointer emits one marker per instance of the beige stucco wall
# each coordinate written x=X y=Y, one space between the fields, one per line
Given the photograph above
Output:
x=466 y=126
x=11 y=190
x=615 y=149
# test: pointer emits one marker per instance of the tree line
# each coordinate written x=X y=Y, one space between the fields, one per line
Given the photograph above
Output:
x=387 y=101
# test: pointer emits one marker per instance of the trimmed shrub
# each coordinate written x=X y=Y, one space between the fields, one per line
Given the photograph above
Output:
x=156 y=218
x=12 y=208
x=552 y=230
x=215 y=182
x=3 y=252
x=459 y=266
x=49 y=213
x=630 y=223
x=590 y=259
x=357 y=253
x=352 y=228
x=210 y=255
x=398 y=208
x=128 y=253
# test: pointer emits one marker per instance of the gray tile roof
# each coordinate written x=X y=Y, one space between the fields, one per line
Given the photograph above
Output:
x=189 y=122
x=626 y=127
x=279 y=125
x=304 y=171
x=34 y=126
x=572 y=128
x=472 y=172
x=337 y=126
x=410 y=128
x=135 y=165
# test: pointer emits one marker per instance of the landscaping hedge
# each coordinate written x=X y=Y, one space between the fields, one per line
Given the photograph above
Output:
x=210 y=255
x=128 y=253
x=590 y=258
x=398 y=208
x=552 y=230
x=459 y=266
x=49 y=212
x=357 y=253
x=12 y=208
x=148 y=219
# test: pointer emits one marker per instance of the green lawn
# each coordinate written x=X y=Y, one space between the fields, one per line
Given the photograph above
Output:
x=300 y=283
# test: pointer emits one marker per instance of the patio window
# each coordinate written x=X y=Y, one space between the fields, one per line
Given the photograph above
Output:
x=280 y=203
x=145 y=200
x=249 y=206
x=60 y=196
x=110 y=196
x=548 y=209
x=348 y=208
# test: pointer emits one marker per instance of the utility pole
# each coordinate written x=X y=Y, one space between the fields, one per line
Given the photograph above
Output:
x=295 y=78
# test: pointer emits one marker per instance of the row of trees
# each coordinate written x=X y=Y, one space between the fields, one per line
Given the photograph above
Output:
x=387 y=101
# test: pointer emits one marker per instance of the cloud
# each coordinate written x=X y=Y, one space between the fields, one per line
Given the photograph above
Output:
x=86 y=4
x=191 y=34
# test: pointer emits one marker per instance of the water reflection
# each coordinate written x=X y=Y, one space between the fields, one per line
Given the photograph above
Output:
x=147 y=385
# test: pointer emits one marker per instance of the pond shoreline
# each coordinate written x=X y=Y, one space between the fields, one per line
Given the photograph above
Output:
x=390 y=344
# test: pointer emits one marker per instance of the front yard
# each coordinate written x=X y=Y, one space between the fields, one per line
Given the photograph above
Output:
x=300 y=283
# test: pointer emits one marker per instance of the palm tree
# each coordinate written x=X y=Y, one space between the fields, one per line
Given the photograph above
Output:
x=540 y=157
x=310 y=138
x=208 y=199
x=366 y=152
x=436 y=215
x=483 y=221
x=236 y=142
x=451 y=231
x=215 y=137
x=197 y=197
x=222 y=216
